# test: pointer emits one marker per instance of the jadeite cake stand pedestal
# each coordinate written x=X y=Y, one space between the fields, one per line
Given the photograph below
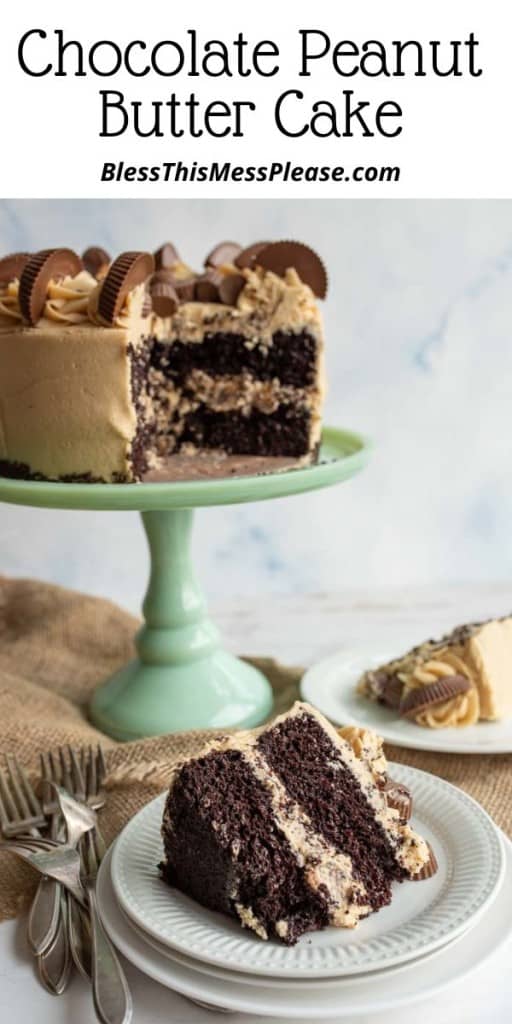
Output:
x=182 y=678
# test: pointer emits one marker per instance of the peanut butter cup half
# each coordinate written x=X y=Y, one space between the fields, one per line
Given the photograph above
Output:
x=43 y=267
x=186 y=288
x=230 y=287
x=429 y=869
x=125 y=273
x=207 y=286
x=248 y=257
x=96 y=260
x=282 y=256
x=424 y=697
x=166 y=257
x=224 y=252
x=398 y=797
x=164 y=296
x=11 y=266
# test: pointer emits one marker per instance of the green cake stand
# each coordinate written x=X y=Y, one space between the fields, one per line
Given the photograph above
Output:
x=182 y=678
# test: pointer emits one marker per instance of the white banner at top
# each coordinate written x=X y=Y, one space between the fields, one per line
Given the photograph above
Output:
x=370 y=99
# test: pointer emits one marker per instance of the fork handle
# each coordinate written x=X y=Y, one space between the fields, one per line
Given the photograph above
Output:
x=111 y=995
x=55 y=966
x=43 y=919
x=79 y=937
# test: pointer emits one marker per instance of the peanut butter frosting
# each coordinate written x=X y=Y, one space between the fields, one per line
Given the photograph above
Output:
x=265 y=305
x=70 y=301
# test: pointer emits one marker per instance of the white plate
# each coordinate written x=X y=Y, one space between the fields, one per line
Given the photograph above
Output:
x=349 y=998
x=268 y=982
x=330 y=687
x=421 y=917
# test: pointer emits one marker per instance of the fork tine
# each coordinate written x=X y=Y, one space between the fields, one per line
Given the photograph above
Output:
x=99 y=845
x=91 y=855
x=28 y=789
x=76 y=773
x=102 y=768
x=54 y=773
x=14 y=779
x=8 y=805
x=4 y=817
x=92 y=775
x=67 y=781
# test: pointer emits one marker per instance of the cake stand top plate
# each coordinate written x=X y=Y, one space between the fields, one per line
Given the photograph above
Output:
x=342 y=454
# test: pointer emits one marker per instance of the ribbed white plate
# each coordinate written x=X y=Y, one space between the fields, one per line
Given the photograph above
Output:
x=421 y=917
x=347 y=998
x=267 y=981
x=331 y=687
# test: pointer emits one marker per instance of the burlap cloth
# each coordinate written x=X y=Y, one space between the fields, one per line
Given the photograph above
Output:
x=56 y=645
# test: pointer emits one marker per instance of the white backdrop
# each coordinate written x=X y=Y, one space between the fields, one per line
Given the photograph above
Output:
x=419 y=355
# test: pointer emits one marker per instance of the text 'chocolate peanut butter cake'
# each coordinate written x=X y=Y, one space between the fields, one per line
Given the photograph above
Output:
x=291 y=828
x=142 y=369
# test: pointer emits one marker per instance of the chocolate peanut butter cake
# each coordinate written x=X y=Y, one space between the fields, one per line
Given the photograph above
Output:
x=110 y=371
x=458 y=680
x=290 y=828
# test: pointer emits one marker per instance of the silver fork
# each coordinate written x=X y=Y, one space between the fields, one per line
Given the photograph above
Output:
x=21 y=813
x=71 y=770
x=59 y=862
x=111 y=995
x=110 y=989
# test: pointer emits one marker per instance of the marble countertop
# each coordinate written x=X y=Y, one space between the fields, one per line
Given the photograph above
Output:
x=300 y=631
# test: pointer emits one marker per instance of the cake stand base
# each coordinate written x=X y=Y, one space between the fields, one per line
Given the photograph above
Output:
x=215 y=692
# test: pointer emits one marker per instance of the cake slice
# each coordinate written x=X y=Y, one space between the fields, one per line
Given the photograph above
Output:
x=455 y=681
x=287 y=829
x=142 y=369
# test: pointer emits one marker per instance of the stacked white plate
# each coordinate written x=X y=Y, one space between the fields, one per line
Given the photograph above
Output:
x=394 y=957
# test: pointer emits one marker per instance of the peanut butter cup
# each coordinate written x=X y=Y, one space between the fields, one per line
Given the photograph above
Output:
x=207 y=286
x=398 y=797
x=433 y=693
x=224 y=252
x=230 y=287
x=96 y=261
x=39 y=270
x=248 y=258
x=166 y=257
x=12 y=266
x=429 y=869
x=282 y=256
x=125 y=273
x=164 y=297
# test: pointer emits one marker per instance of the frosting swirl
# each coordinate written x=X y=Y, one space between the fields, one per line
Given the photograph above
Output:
x=72 y=300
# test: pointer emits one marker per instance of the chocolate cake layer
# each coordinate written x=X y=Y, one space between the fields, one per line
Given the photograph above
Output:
x=292 y=357
x=219 y=818
x=310 y=767
x=285 y=432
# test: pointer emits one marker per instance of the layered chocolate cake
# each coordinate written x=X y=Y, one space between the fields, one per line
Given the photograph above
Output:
x=118 y=371
x=289 y=829
x=464 y=677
